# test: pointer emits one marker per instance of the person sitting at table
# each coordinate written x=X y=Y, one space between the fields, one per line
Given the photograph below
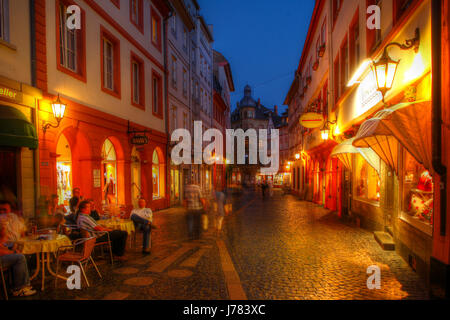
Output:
x=54 y=207
x=87 y=224
x=143 y=219
x=18 y=264
x=94 y=213
x=15 y=226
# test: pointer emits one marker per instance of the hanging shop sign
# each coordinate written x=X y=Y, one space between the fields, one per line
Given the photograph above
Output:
x=312 y=120
x=139 y=140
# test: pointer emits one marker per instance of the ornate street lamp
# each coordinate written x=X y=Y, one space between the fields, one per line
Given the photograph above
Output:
x=386 y=67
x=58 y=109
x=325 y=131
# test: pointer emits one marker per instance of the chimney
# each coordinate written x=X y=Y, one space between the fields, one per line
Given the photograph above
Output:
x=275 y=110
x=259 y=102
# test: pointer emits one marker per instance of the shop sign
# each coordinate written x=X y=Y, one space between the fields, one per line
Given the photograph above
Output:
x=9 y=94
x=97 y=180
x=139 y=140
x=368 y=95
x=312 y=120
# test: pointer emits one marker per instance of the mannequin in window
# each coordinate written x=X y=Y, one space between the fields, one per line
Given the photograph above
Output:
x=110 y=191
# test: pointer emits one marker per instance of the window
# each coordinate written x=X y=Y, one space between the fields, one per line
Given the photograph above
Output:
x=173 y=25
x=156 y=176
x=367 y=181
x=173 y=72
x=337 y=89
x=185 y=121
x=323 y=33
x=109 y=168
x=71 y=47
x=137 y=81
x=373 y=37
x=156 y=29
x=174 y=118
x=201 y=65
x=157 y=94
x=344 y=67
x=354 y=43
x=417 y=193
x=337 y=4
x=136 y=14
x=194 y=60
x=185 y=40
x=4 y=20
x=185 y=84
x=400 y=7
x=110 y=63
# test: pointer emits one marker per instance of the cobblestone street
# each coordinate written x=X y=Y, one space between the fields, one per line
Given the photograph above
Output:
x=279 y=248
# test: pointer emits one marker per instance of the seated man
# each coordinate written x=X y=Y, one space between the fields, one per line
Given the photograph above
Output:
x=143 y=218
x=87 y=224
x=18 y=264
x=14 y=225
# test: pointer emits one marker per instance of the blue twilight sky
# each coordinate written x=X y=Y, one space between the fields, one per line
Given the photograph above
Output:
x=262 y=40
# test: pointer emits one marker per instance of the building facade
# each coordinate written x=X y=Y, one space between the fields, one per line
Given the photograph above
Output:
x=108 y=72
x=223 y=85
x=383 y=181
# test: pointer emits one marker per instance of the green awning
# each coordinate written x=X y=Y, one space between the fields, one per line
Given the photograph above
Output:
x=15 y=129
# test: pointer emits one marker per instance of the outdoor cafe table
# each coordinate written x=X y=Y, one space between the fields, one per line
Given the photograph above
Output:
x=118 y=224
x=42 y=249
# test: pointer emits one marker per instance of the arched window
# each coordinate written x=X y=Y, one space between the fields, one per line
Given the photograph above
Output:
x=109 y=167
x=64 y=170
x=156 y=177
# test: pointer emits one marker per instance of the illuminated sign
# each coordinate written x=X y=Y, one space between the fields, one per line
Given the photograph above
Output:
x=10 y=94
x=312 y=120
x=368 y=95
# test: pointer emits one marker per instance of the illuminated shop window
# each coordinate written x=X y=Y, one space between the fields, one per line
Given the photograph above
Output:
x=155 y=176
x=367 y=181
x=417 y=190
x=109 y=167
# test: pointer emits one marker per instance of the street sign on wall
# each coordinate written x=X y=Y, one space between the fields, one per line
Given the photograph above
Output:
x=312 y=120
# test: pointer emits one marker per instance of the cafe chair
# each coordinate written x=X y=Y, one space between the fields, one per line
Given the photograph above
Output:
x=106 y=243
x=72 y=256
x=2 y=270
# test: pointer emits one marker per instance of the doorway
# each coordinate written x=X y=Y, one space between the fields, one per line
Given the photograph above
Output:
x=64 y=171
x=136 y=188
x=346 y=192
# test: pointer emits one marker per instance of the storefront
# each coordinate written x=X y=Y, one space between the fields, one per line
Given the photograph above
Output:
x=93 y=151
x=18 y=145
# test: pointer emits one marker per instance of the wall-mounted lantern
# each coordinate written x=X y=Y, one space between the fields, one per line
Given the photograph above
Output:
x=58 y=109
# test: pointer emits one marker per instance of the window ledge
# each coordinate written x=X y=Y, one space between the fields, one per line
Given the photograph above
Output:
x=416 y=223
x=8 y=45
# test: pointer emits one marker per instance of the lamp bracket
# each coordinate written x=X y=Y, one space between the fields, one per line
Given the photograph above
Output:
x=48 y=125
x=413 y=43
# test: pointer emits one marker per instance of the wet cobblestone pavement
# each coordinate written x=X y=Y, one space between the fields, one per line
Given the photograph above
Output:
x=280 y=248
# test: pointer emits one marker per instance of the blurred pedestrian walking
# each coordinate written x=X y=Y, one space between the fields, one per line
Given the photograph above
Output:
x=195 y=203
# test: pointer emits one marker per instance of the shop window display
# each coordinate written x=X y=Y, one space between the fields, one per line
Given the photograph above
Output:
x=155 y=175
x=367 y=181
x=109 y=172
x=417 y=190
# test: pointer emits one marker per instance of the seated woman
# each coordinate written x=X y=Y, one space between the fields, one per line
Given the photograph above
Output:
x=143 y=218
x=88 y=225
x=18 y=264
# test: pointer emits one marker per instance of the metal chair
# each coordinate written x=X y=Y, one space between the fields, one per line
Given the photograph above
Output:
x=2 y=269
x=81 y=258
x=107 y=243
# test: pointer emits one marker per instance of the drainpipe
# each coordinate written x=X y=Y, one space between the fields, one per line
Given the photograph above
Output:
x=166 y=107
x=438 y=166
x=35 y=111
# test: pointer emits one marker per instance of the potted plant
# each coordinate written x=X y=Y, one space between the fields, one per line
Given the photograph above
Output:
x=321 y=51
x=316 y=65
